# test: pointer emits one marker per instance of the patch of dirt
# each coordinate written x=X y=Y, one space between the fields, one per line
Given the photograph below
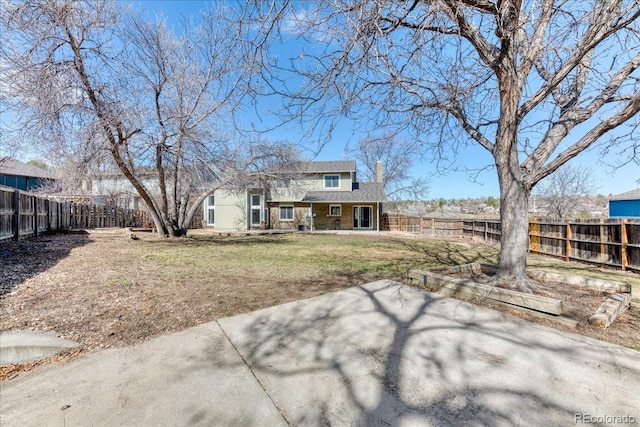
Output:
x=578 y=303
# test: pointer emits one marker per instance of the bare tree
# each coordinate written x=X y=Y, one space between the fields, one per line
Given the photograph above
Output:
x=565 y=188
x=534 y=83
x=7 y=147
x=94 y=81
x=397 y=156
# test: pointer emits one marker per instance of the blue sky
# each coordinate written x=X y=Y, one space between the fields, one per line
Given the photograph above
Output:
x=455 y=184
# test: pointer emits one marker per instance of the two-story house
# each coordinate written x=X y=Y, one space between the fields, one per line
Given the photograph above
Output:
x=324 y=195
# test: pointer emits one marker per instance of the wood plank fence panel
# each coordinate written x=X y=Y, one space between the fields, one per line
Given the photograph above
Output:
x=608 y=242
x=632 y=244
x=26 y=215
x=42 y=214
x=6 y=213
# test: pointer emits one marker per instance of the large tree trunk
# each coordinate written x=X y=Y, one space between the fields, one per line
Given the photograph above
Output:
x=514 y=238
x=513 y=180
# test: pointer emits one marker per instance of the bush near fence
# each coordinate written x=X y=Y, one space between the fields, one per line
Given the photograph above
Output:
x=24 y=214
x=613 y=242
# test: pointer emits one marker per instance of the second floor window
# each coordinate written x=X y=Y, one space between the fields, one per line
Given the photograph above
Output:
x=332 y=181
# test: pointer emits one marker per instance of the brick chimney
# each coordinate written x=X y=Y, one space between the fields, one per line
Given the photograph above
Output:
x=379 y=171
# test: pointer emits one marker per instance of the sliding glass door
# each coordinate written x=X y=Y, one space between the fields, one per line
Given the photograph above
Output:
x=362 y=217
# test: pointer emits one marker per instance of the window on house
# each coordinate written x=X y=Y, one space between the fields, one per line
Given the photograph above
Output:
x=335 y=210
x=286 y=213
x=211 y=210
x=256 y=208
x=22 y=183
x=332 y=181
x=32 y=183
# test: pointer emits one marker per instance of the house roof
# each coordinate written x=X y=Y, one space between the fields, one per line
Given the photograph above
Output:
x=18 y=168
x=328 y=166
x=366 y=192
x=629 y=195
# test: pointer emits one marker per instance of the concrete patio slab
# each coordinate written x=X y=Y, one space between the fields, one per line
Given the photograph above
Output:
x=193 y=377
x=376 y=355
x=386 y=354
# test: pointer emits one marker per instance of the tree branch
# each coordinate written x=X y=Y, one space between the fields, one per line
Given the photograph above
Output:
x=470 y=130
x=534 y=45
x=594 y=35
x=487 y=52
x=575 y=115
x=590 y=138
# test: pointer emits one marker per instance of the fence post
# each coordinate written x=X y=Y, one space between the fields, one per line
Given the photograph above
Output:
x=47 y=208
x=603 y=258
x=16 y=214
x=623 y=239
x=35 y=215
x=567 y=248
x=534 y=233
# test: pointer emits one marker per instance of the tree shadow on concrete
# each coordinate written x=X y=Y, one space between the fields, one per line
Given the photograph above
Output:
x=385 y=354
x=27 y=258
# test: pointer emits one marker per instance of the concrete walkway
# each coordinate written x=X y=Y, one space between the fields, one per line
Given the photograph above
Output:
x=22 y=346
x=380 y=354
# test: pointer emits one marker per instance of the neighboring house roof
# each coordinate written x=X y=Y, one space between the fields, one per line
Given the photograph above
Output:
x=629 y=195
x=328 y=166
x=18 y=168
x=367 y=192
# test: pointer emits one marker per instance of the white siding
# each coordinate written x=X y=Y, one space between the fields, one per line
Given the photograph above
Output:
x=311 y=182
x=231 y=210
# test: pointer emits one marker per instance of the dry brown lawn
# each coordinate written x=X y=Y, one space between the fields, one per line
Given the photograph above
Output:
x=104 y=290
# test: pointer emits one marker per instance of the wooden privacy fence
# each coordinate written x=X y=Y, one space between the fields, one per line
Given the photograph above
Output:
x=608 y=242
x=24 y=214
x=611 y=242
x=422 y=225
